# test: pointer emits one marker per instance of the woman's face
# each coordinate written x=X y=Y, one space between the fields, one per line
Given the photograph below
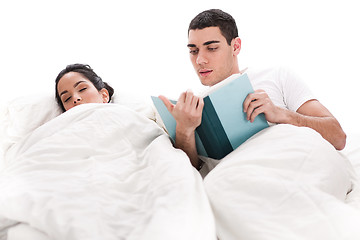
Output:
x=75 y=89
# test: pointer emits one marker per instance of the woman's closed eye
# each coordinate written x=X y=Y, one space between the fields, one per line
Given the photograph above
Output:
x=80 y=90
x=67 y=99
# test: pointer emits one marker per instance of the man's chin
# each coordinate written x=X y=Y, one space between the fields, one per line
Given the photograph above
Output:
x=205 y=80
x=208 y=81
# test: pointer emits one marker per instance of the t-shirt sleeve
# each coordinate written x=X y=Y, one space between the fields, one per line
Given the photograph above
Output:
x=295 y=90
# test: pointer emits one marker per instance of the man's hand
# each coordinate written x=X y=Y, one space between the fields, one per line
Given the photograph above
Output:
x=187 y=111
x=311 y=114
x=259 y=102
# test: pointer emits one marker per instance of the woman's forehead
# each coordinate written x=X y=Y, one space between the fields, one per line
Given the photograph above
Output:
x=70 y=81
x=71 y=78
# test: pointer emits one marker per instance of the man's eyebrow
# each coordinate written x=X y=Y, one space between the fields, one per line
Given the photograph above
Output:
x=210 y=42
x=75 y=85
x=190 y=45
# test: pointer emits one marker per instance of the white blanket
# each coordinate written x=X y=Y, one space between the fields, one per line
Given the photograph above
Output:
x=101 y=171
x=285 y=183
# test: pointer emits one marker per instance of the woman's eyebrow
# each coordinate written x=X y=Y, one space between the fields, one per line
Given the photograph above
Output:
x=75 y=85
x=63 y=92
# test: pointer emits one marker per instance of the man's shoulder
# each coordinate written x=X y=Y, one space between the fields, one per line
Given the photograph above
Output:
x=269 y=71
x=278 y=74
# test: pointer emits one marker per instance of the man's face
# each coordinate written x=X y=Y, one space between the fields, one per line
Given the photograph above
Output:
x=213 y=59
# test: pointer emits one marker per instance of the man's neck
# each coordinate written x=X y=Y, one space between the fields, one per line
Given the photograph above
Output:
x=244 y=70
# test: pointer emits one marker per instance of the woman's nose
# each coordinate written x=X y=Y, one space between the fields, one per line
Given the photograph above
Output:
x=77 y=99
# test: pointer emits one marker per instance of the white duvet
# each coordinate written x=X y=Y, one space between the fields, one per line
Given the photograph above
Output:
x=285 y=183
x=101 y=171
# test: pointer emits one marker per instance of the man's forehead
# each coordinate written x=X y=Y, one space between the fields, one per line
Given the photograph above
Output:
x=204 y=36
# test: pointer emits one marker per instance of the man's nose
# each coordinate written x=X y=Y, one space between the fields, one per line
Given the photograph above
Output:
x=201 y=58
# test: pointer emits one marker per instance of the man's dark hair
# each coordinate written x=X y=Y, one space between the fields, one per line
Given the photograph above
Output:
x=88 y=73
x=216 y=18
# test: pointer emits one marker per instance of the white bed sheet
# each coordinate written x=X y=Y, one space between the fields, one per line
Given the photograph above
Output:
x=242 y=200
x=102 y=171
x=285 y=183
x=25 y=232
x=352 y=150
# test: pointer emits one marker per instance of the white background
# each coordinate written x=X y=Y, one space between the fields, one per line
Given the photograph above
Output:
x=140 y=46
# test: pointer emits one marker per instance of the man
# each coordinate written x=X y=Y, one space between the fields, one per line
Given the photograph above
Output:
x=214 y=45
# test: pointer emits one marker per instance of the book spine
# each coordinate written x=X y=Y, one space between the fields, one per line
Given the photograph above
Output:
x=212 y=133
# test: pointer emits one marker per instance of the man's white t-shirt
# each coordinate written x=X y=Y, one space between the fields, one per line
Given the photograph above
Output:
x=284 y=88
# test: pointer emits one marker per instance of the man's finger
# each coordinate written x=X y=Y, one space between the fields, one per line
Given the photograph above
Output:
x=167 y=103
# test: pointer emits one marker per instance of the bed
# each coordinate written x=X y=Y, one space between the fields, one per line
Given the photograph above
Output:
x=98 y=171
x=295 y=186
x=108 y=171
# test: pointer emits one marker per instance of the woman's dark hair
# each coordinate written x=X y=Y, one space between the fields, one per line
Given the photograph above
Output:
x=87 y=72
x=216 y=18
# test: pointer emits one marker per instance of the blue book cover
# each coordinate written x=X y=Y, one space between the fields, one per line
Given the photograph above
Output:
x=224 y=126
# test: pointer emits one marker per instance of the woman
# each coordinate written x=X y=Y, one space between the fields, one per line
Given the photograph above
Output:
x=78 y=84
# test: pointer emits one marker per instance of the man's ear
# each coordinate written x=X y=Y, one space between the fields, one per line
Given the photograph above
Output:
x=105 y=95
x=236 y=44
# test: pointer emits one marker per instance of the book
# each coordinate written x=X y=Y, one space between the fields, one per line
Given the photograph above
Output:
x=223 y=126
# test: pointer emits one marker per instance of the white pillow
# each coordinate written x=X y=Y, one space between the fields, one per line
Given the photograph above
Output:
x=23 y=115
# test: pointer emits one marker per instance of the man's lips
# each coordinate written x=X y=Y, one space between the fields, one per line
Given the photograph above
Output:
x=205 y=72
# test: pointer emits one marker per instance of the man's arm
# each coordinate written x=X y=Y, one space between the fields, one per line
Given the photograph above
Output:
x=314 y=115
x=187 y=113
x=311 y=114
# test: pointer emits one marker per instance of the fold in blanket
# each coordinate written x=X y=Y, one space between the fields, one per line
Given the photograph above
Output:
x=284 y=183
x=101 y=171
